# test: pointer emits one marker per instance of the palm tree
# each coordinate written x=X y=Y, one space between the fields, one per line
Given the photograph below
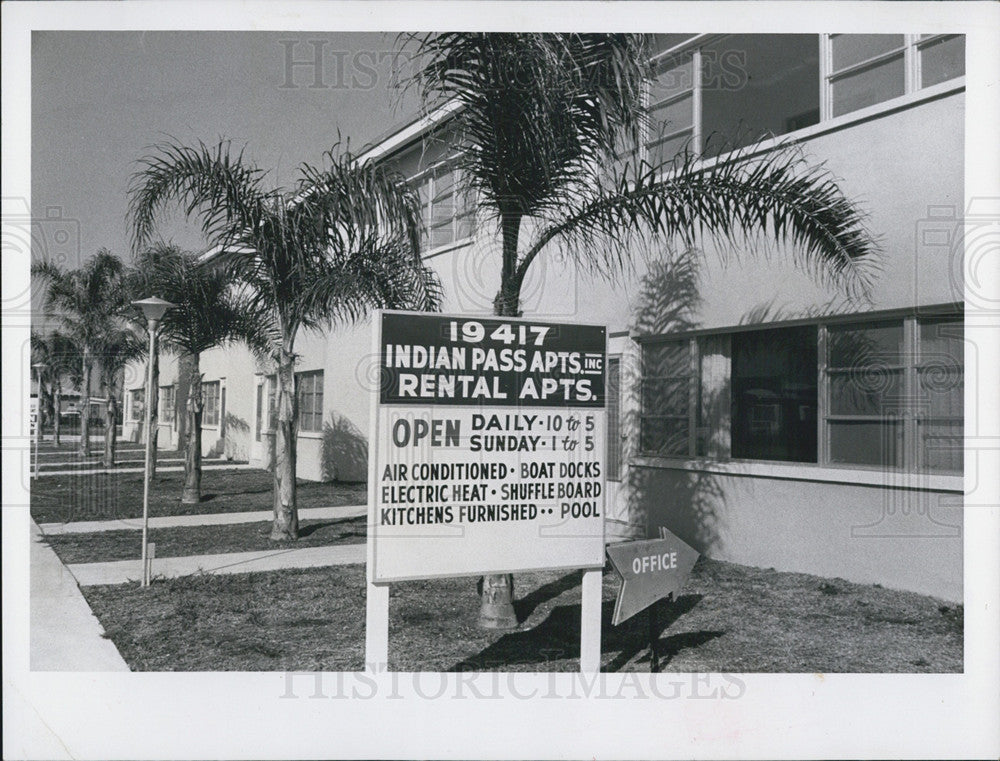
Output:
x=209 y=312
x=343 y=240
x=117 y=348
x=61 y=358
x=87 y=303
x=551 y=130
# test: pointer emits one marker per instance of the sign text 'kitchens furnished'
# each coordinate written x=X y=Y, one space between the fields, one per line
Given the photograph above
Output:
x=490 y=446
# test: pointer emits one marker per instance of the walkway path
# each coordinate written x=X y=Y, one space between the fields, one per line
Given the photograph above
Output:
x=121 y=571
x=210 y=519
x=159 y=469
x=65 y=634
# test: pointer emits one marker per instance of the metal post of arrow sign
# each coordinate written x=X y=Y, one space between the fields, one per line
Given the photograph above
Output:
x=650 y=569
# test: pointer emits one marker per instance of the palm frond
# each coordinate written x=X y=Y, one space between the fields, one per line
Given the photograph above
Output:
x=539 y=111
x=209 y=310
x=376 y=276
x=777 y=194
x=213 y=184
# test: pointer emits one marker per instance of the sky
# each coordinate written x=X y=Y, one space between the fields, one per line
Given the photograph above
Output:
x=100 y=100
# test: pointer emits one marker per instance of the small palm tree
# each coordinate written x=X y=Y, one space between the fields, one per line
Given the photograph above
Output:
x=61 y=358
x=208 y=312
x=343 y=240
x=551 y=130
x=117 y=348
x=87 y=304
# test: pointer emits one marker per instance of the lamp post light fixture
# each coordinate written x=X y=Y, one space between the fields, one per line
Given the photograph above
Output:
x=39 y=367
x=153 y=310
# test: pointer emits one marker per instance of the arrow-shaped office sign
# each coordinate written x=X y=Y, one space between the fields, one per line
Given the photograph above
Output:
x=650 y=569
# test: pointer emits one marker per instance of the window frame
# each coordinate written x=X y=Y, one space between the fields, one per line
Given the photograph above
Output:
x=430 y=175
x=211 y=390
x=137 y=396
x=902 y=417
x=168 y=398
x=670 y=59
x=615 y=456
x=691 y=377
x=313 y=377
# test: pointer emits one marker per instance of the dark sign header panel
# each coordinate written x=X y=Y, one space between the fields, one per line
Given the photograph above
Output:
x=491 y=361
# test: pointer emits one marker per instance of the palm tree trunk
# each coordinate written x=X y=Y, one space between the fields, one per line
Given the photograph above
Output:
x=181 y=399
x=496 y=609
x=154 y=408
x=110 y=424
x=192 y=459
x=56 y=413
x=85 y=405
x=286 y=514
x=43 y=407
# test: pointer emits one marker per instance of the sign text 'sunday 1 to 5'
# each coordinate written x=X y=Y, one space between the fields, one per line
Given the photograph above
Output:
x=490 y=453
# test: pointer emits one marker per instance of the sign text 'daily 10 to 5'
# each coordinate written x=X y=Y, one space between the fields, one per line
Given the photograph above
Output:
x=490 y=446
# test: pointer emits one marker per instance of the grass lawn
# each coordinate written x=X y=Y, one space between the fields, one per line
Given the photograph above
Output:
x=202 y=540
x=100 y=496
x=730 y=618
x=294 y=619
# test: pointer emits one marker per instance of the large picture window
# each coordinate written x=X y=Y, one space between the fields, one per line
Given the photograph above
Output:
x=774 y=394
x=884 y=393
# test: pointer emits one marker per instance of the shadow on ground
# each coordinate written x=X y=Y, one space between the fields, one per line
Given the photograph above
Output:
x=558 y=635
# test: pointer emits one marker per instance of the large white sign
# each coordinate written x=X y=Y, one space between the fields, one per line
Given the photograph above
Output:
x=490 y=439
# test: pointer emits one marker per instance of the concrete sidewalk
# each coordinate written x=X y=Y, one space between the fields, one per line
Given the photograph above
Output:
x=207 y=519
x=65 y=634
x=159 y=469
x=122 y=571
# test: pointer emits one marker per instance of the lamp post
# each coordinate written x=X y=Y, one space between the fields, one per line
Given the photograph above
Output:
x=39 y=367
x=153 y=310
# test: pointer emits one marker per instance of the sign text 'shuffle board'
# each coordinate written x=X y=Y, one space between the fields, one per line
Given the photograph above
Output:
x=490 y=438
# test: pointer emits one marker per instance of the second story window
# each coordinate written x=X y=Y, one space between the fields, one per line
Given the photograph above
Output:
x=715 y=93
x=448 y=210
x=865 y=69
x=757 y=86
x=671 y=107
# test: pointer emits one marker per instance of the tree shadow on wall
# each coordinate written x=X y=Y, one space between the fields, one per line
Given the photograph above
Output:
x=237 y=433
x=688 y=502
x=668 y=295
x=345 y=450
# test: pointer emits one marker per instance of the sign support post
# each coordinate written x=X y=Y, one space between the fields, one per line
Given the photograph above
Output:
x=377 y=626
x=376 y=595
x=590 y=621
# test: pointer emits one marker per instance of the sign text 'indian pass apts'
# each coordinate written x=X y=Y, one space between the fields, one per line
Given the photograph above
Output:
x=490 y=446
